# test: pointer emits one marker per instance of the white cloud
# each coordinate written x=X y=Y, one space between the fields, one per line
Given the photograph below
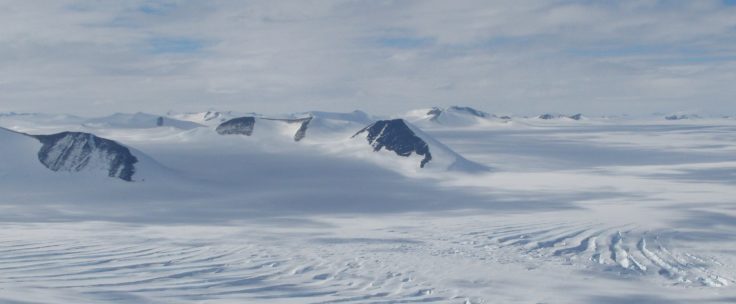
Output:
x=381 y=56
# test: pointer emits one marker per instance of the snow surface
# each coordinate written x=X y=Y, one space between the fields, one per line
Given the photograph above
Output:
x=624 y=210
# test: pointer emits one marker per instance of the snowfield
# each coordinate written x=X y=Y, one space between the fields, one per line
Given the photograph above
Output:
x=596 y=210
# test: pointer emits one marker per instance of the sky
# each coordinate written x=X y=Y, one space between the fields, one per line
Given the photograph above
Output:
x=522 y=57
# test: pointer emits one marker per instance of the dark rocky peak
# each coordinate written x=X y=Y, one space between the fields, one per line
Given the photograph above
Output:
x=681 y=116
x=302 y=132
x=303 y=125
x=77 y=151
x=547 y=116
x=469 y=110
x=559 y=116
x=576 y=116
x=240 y=125
x=434 y=113
x=246 y=125
x=395 y=135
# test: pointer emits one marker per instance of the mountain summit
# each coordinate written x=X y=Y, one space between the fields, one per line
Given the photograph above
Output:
x=406 y=140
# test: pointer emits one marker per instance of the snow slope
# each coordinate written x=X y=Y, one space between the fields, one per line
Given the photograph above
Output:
x=208 y=118
x=19 y=156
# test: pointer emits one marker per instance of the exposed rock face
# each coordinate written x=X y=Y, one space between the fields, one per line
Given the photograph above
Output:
x=246 y=125
x=680 y=117
x=470 y=111
x=547 y=116
x=302 y=132
x=558 y=116
x=240 y=125
x=394 y=135
x=77 y=151
x=434 y=113
x=210 y=115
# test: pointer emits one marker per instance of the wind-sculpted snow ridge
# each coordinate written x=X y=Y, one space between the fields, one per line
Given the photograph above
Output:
x=624 y=250
x=77 y=151
x=94 y=270
x=394 y=135
x=442 y=260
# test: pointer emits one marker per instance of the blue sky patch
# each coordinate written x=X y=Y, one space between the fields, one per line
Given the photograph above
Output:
x=156 y=8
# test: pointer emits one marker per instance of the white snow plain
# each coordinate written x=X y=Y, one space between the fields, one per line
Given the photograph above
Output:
x=590 y=211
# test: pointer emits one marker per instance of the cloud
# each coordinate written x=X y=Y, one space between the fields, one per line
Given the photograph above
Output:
x=380 y=56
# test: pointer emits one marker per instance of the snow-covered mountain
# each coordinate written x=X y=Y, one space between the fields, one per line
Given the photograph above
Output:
x=548 y=116
x=208 y=118
x=138 y=121
x=454 y=116
x=77 y=151
x=317 y=125
x=333 y=132
x=654 y=216
x=69 y=152
x=240 y=125
x=682 y=116
x=395 y=135
x=294 y=128
x=406 y=140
